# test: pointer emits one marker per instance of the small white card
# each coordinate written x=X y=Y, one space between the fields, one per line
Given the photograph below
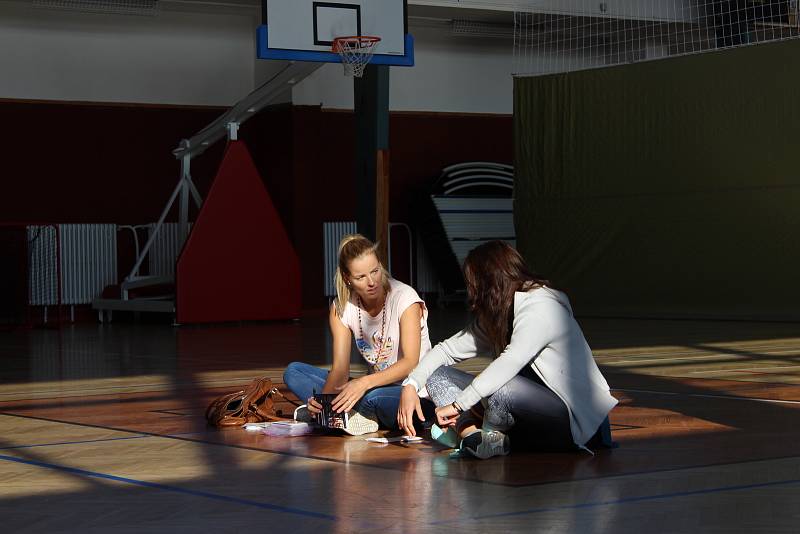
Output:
x=409 y=439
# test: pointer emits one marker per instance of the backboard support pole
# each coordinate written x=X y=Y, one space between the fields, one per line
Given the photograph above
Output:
x=382 y=206
x=371 y=97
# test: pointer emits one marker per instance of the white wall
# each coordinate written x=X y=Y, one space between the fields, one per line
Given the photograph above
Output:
x=176 y=57
x=203 y=53
x=452 y=74
x=206 y=56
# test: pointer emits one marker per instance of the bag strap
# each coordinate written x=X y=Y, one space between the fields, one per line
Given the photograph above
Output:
x=274 y=391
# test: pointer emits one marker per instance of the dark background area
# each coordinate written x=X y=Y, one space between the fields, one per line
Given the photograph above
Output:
x=104 y=163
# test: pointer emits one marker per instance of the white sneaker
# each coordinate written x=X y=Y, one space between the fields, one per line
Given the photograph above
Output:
x=358 y=424
x=485 y=444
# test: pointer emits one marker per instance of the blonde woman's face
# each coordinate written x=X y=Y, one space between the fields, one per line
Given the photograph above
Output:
x=366 y=276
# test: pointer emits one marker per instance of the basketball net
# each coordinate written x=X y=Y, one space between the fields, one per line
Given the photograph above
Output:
x=355 y=51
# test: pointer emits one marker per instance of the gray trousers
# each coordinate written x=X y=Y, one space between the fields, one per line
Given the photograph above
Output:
x=524 y=408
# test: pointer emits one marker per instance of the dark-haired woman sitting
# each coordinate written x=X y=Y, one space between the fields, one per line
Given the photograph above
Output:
x=543 y=391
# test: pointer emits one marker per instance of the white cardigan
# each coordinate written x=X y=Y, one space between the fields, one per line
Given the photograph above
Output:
x=546 y=337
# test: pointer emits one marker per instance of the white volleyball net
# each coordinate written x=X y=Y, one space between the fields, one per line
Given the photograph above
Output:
x=553 y=36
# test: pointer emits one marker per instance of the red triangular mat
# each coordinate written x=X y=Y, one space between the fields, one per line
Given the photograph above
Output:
x=238 y=263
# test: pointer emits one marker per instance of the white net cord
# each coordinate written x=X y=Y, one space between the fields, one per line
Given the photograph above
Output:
x=554 y=36
x=355 y=52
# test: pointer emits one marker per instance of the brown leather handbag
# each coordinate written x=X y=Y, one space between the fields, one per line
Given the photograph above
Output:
x=253 y=404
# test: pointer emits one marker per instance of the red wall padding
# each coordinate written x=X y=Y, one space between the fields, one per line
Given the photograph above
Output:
x=238 y=263
x=103 y=163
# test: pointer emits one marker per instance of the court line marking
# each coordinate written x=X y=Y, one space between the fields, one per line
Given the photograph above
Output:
x=600 y=476
x=707 y=395
x=174 y=489
x=667 y=357
x=71 y=442
x=189 y=386
x=100 y=440
x=737 y=369
x=726 y=379
x=617 y=502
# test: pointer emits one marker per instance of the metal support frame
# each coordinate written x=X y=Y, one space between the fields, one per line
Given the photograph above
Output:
x=371 y=107
x=291 y=73
x=227 y=124
x=233 y=131
x=184 y=188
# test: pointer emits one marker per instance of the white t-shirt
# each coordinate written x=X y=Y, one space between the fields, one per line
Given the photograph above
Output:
x=382 y=351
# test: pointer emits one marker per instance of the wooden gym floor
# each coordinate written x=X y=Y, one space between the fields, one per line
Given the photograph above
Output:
x=102 y=430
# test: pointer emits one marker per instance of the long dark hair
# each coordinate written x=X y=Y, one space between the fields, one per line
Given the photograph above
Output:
x=493 y=272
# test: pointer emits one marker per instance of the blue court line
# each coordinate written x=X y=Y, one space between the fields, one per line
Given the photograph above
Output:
x=628 y=500
x=174 y=489
x=70 y=442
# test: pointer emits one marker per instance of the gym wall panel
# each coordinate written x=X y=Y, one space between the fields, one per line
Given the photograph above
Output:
x=176 y=57
x=96 y=163
x=666 y=188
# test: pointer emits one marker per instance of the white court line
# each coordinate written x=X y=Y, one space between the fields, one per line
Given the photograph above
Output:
x=667 y=356
x=160 y=386
x=762 y=369
x=708 y=396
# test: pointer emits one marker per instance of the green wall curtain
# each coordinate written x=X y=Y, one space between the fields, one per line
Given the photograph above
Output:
x=667 y=188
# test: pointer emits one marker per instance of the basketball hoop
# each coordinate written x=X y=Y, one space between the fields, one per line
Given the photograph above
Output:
x=355 y=51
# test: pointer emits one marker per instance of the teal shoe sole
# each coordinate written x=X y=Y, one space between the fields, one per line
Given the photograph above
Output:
x=448 y=437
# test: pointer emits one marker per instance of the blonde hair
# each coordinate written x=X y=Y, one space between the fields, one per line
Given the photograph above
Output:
x=351 y=247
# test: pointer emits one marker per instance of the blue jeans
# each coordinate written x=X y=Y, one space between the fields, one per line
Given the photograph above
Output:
x=379 y=404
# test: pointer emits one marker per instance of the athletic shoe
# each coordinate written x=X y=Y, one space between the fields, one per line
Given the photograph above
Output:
x=448 y=438
x=485 y=444
x=302 y=414
x=358 y=424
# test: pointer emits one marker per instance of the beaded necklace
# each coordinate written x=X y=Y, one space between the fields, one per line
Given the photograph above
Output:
x=362 y=345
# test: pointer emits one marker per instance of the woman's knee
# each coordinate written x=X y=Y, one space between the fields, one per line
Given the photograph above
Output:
x=439 y=387
x=437 y=377
x=293 y=371
x=498 y=409
x=500 y=399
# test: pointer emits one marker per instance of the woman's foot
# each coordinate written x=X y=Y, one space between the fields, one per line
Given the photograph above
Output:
x=484 y=444
x=358 y=424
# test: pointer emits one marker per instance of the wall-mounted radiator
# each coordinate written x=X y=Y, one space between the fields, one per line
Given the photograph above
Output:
x=165 y=249
x=332 y=233
x=85 y=255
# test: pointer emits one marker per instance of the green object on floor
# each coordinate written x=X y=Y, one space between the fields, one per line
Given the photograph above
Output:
x=448 y=437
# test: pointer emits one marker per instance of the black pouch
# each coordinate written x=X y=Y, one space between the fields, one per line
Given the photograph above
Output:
x=328 y=418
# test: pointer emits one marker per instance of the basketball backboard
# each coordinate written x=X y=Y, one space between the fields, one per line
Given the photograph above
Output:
x=304 y=30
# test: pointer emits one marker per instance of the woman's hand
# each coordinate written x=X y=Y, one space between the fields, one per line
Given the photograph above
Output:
x=350 y=394
x=313 y=406
x=409 y=403
x=446 y=416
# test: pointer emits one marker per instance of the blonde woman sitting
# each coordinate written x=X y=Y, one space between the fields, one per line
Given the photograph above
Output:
x=388 y=321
